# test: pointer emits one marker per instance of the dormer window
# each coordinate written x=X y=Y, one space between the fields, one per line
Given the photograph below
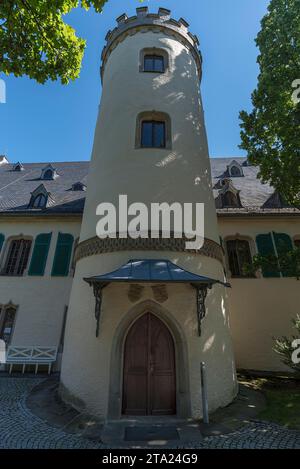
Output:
x=39 y=201
x=275 y=201
x=235 y=172
x=235 y=169
x=79 y=186
x=39 y=198
x=49 y=173
x=230 y=200
x=229 y=196
x=18 y=167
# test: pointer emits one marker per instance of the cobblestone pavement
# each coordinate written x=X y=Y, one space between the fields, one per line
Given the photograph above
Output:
x=19 y=428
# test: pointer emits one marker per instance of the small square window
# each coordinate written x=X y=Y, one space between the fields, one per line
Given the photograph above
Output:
x=154 y=63
x=153 y=134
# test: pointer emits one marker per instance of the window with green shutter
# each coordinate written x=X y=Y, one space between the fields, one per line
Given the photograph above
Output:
x=2 y=238
x=63 y=253
x=40 y=254
x=283 y=245
x=265 y=247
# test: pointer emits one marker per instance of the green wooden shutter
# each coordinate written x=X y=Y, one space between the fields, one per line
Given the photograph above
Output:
x=2 y=238
x=283 y=245
x=62 y=256
x=40 y=254
x=265 y=247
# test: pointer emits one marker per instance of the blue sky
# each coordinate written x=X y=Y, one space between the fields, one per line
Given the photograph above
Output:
x=53 y=122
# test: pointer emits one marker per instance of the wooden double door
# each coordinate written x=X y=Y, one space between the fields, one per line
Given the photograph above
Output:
x=149 y=381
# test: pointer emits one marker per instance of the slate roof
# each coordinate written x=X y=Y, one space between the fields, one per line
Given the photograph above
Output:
x=16 y=188
x=152 y=270
x=253 y=194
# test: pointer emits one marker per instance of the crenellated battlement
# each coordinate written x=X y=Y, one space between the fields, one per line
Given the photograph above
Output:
x=144 y=21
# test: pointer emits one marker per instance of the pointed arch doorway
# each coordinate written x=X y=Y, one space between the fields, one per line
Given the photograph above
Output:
x=149 y=378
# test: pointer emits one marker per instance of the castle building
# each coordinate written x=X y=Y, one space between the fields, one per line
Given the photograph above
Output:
x=134 y=318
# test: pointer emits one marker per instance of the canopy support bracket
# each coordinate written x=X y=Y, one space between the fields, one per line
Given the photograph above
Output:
x=201 y=294
x=98 y=293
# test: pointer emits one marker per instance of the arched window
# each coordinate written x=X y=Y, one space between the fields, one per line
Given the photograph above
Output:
x=230 y=200
x=48 y=175
x=17 y=257
x=239 y=256
x=39 y=201
x=235 y=171
x=7 y=322
x=18 y=167
x=153 y=130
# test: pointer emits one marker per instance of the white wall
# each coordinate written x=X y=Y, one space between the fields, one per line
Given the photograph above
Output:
x=261 y=308
x=41 y=301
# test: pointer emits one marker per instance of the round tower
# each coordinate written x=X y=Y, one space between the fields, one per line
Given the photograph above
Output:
x=144 y=313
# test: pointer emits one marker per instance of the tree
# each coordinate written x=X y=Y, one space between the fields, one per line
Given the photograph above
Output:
x=287 y=347
x=35 y=41
x=271 y=131
x=286 y=263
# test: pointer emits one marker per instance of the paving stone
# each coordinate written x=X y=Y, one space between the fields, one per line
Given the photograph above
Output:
x=20 y=428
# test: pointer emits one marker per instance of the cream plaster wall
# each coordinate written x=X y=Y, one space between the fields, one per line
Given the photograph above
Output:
x=149 y=175
x=261 y=308
x=180 y=174
x=41 y=301
x=87 y=360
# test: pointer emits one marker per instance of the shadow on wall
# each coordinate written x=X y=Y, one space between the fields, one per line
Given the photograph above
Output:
x=183 y=62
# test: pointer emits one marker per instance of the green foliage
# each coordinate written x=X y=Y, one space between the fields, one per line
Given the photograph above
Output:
x=287 y=263
x=35 y=41
x=271 y=131
x=284 y=346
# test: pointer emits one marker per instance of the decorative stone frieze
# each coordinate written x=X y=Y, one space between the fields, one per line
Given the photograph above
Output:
x=95 y=246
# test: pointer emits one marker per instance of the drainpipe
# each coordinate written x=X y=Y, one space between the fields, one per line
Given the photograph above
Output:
x=204 y=394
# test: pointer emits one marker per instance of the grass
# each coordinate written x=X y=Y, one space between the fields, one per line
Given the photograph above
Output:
x=282 y=399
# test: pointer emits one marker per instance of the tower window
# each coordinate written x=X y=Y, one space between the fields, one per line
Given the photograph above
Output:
x=154 y=63
x=239 y=255
x=153 y=134
x=18 y=256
